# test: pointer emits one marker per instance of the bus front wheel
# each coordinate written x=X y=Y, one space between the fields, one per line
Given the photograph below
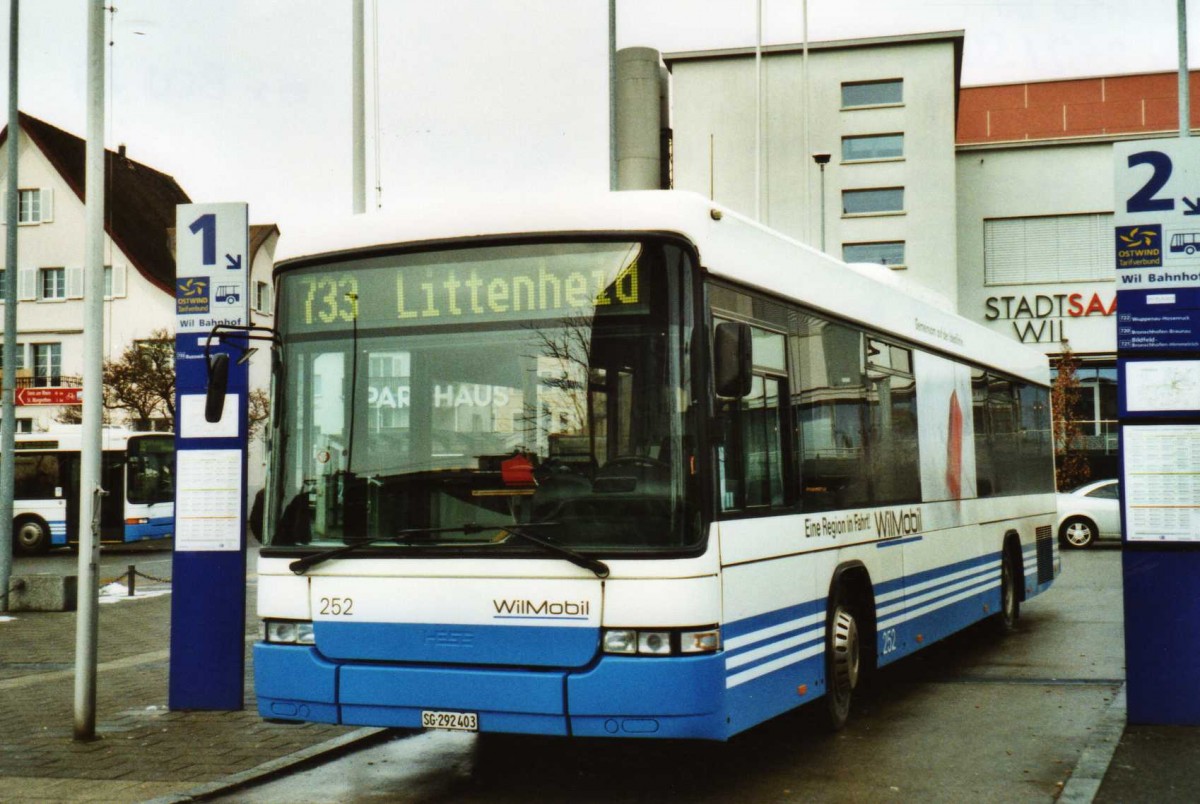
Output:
x=843 y=656
x=31 y=535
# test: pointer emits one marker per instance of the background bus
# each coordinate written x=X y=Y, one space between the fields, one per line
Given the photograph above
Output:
x=630 y=467
x=137 y=472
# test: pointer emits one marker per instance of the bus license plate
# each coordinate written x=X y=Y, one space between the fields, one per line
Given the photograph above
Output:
x=455 y=721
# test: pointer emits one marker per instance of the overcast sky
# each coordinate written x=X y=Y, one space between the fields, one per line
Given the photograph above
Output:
x=248 y=100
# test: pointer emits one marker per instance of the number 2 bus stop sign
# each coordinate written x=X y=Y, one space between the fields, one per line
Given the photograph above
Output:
x=1157 y=239
x=1157 y=253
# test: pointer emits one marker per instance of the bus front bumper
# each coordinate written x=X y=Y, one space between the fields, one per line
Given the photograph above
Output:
x=617 y=696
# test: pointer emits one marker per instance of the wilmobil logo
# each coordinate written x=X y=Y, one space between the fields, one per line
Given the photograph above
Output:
x=896 y=523
x=1139 y=246
x=507 y=609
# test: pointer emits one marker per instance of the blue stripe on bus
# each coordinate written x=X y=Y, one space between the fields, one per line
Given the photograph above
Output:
x=619 y=696
x=455 y=643
x=294 y=683
x=894 y=542
x=58 y=531
x=646 y=696
x=768 y=658
x=159 y=527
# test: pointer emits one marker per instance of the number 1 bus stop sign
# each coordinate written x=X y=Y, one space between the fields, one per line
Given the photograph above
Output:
x=208 y=602
x=1157 y=253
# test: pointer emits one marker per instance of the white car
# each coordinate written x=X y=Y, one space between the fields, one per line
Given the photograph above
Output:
x=1089 y=513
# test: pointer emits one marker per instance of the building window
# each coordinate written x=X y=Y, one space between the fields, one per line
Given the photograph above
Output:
x=856 y=94
x=262 y=297
x=52 y=283
x=869 y=202
x=47 y=364
x=872 y=146
x=890 y=253
x=29 y=206
x=1052 y=248
x=24 y=425
x=20 y=356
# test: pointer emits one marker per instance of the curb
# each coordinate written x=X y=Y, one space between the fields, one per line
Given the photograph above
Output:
x=1089 y=771
x=279 y=767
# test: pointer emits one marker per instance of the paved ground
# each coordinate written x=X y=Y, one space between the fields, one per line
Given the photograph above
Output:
x=142 y=750
x=145 y=752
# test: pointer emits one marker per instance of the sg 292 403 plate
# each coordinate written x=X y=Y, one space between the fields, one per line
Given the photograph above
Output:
x=455 y=721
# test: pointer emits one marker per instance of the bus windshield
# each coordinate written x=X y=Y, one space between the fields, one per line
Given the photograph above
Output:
x=488 y=386
x=151 y=462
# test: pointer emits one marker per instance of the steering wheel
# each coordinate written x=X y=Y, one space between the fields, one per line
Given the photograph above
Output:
x=641 y=461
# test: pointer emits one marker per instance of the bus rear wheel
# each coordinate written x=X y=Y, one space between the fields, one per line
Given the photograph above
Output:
x=843 y=658
x=1010 y=599
x=31 y=535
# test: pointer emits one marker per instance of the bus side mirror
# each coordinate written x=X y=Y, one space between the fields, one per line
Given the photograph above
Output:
x=733 y=360
x=218 y=381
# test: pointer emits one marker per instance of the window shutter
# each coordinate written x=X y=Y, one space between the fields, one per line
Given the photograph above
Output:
x=75 y=283
x=118 y=281
x=27 y=284
x=47 y=204
x=1055 y=248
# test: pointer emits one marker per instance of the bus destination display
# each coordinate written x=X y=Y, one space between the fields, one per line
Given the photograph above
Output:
x=595 y=280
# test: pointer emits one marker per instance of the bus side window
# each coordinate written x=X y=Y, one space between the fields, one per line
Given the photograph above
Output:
x=751 y=458
x=36 y=477
x=830 y=398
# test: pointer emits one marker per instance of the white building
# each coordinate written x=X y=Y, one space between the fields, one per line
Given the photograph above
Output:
x=1000 y=198
x=139 y=266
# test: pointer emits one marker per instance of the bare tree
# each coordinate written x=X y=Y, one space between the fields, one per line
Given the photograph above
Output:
x=1070 y=466
x=258 y=411
x=139 y=384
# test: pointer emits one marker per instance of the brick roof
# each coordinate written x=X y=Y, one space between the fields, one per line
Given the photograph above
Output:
x=139 y=204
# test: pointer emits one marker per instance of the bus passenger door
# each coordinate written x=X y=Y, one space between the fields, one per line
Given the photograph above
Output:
x=68 y=487
x=112 y=505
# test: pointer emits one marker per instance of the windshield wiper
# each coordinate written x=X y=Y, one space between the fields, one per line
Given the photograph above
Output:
x=578 y=559
x=399 y=537
x=600 y=569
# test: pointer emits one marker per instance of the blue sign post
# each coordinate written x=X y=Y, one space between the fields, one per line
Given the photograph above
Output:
x=1157 y=241
x=208 y=604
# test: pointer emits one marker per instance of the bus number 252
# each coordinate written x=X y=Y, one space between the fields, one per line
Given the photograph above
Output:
x=343 y=606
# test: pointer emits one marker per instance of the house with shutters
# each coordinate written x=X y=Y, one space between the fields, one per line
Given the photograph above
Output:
x=139 y=265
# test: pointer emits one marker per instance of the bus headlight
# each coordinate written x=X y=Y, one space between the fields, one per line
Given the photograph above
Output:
x=700 y=641
x=656 y=643
x=620 y=641
x=661 y=641
x=289 y=632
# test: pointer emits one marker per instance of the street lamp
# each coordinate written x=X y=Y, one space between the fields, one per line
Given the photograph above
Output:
x=822 y=159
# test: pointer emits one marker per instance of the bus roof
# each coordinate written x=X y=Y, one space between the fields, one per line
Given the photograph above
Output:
x=69 y=437
x=729 y=244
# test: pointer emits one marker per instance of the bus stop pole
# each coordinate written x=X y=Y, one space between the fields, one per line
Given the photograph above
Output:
x=86 y=630
x=1185 y=101
x=8 y=424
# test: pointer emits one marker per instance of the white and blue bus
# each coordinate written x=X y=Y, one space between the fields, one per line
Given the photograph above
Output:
x=636 y=467
x=137 y=471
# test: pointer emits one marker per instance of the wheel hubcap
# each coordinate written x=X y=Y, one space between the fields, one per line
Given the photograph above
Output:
x=29 y=535
x=1010 y=593
x=1079 y=534
x=845 y=652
